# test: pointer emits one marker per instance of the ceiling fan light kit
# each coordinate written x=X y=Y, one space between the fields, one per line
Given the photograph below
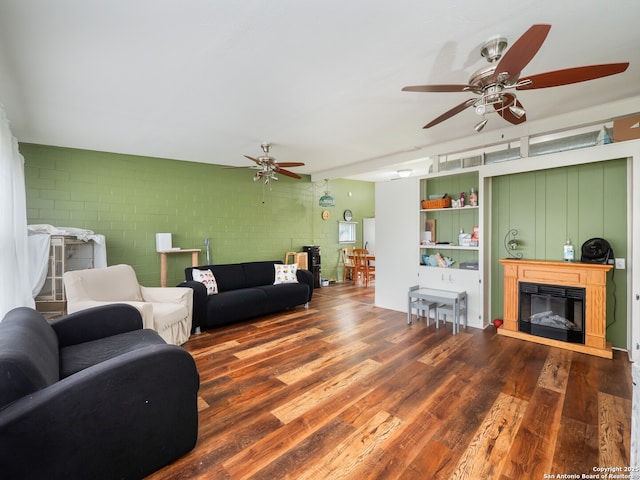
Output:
x=480 y=125
x=494 y=82
x=517 y=111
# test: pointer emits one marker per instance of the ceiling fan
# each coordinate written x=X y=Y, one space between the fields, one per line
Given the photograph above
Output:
x=268 y=166
x=495 y=84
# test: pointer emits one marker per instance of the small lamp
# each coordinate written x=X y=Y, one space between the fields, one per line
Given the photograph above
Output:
x=327 y=200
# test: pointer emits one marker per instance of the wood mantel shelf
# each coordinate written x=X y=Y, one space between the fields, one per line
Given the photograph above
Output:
x=590 y=276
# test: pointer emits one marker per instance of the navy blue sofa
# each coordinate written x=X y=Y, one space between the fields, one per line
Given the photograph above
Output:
x=246 y=290
x=92 y=395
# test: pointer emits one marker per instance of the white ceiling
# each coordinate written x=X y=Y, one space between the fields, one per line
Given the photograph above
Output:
x=209 y=80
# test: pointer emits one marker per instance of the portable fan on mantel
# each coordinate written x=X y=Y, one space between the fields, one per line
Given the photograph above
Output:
x=496 y=83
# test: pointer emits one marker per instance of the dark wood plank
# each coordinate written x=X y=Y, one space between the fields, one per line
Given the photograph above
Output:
x=348 y=390
x=531 y=454
x=575 y=436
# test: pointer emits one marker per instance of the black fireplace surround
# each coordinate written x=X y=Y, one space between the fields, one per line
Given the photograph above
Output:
x=552 y=311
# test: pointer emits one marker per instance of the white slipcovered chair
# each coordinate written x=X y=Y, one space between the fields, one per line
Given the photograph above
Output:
x=168 y=311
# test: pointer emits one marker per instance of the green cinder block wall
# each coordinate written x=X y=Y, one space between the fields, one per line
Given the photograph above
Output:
x=550 y=206
x=130 y=198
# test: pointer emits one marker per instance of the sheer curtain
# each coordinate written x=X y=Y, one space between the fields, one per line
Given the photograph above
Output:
x=15 y=290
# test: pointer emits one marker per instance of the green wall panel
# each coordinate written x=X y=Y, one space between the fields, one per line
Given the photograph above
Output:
x=130 y=198
x=550 y=206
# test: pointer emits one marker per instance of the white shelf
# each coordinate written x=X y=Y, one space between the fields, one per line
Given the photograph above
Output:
x=449 y=209
x=453 y=268
x=447 y=247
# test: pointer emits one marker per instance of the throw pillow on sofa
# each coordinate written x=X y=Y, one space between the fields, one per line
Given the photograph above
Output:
x=286 y=274
x=207 y=279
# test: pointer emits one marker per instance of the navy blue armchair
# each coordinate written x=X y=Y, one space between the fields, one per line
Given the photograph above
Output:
x=92 y=395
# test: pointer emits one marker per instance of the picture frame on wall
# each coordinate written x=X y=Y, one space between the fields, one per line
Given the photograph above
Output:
x=347 y=232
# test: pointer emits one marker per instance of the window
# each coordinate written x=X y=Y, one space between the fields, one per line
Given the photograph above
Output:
x=347 y=232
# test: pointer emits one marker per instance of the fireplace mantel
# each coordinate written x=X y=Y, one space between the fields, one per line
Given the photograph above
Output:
x=590 y=276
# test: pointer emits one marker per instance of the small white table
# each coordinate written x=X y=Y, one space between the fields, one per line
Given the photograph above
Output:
x=457 y=299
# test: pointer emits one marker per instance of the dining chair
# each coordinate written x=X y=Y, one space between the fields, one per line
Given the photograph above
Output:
x=363 y=269
x=348 y=263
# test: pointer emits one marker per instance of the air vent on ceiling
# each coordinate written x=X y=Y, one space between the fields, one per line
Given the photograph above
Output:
x=502 y=155
x=474 y=161
x=572 y=142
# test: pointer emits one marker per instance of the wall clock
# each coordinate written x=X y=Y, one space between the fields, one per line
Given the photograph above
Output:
x=325 y=215
x=348 y=215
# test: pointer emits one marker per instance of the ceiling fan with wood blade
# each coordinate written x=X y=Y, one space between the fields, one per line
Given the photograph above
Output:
x=494 y=82
x=268 y=166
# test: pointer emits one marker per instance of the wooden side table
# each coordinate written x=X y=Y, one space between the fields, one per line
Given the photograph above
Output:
x=163 y=261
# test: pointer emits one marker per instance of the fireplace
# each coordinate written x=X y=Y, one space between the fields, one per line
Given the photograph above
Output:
x=550 y=282
x=552 y=311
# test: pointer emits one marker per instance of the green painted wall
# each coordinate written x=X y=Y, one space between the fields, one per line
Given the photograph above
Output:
x=129 y=198
x=550 y=206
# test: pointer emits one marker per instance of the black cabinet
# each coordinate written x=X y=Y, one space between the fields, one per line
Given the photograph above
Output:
x=313 y=255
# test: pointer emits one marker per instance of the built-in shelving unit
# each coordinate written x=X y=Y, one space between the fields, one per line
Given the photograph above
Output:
x=445 y=225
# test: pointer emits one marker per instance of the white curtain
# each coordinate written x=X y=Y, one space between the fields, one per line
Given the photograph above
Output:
x=15 y=290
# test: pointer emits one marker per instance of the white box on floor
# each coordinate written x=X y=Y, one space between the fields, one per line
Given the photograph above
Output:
x=163 y=242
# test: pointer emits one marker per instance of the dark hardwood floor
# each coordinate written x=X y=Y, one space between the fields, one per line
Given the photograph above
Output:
x=345 y=390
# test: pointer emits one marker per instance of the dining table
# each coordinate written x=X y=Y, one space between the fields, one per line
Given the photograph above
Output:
x=368 y=259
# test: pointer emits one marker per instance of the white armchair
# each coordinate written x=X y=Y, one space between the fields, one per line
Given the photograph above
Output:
x=165 y=310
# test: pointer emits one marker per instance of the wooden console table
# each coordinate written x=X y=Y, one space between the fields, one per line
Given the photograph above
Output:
x=590 y=276
x=163 y=261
